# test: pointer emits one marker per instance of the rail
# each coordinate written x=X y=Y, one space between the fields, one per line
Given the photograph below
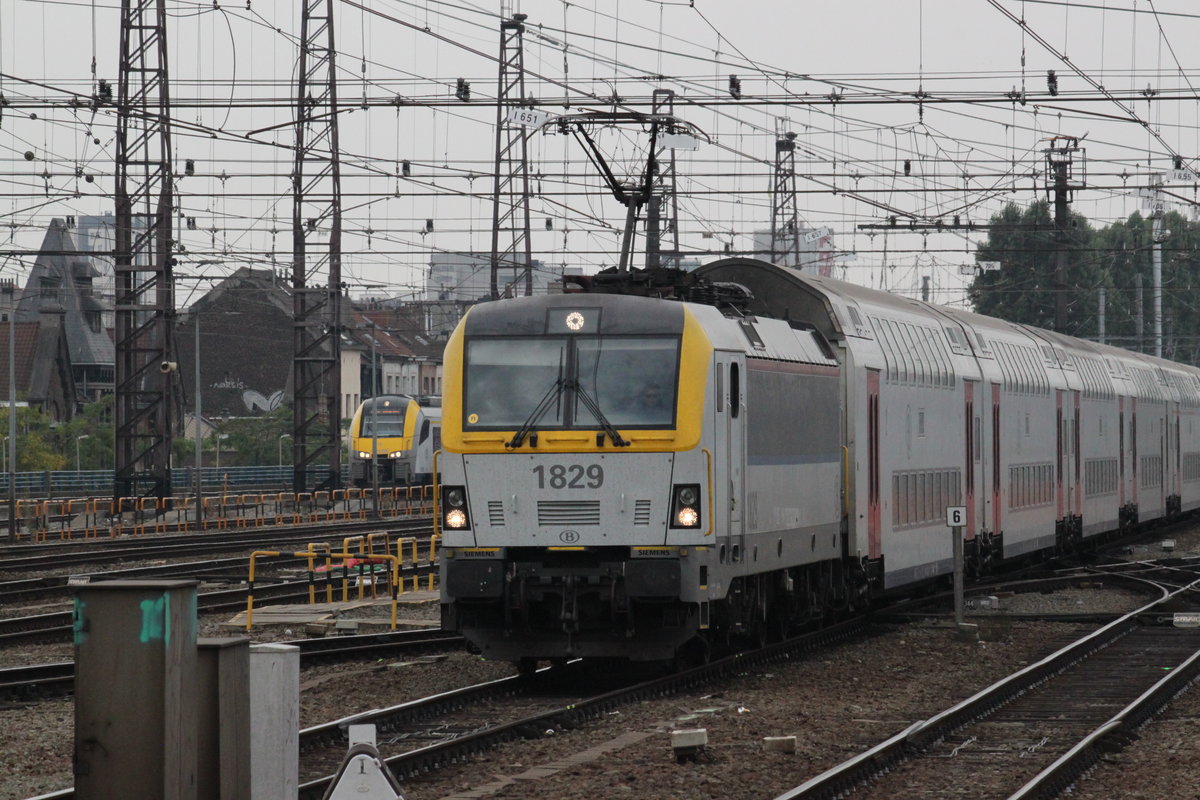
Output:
x=38 y=520
x=98 y=482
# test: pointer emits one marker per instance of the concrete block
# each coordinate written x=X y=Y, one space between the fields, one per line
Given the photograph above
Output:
x=275 y=717
x=1168 y=545
x=688 y=743
x=689 y=737
x=779 y=744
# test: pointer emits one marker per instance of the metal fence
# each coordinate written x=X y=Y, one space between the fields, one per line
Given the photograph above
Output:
x=99 y=482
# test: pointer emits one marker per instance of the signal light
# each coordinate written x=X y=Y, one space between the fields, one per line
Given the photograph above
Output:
x=1052 y=82
x=463 y=90
x=735 y=87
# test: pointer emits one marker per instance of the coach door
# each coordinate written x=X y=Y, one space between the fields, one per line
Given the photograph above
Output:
x=729 y=482
x=874 y=544
x=996 y=522
x=972 y=455
x=1067 y=467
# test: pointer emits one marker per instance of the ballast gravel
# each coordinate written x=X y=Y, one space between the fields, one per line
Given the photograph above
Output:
x=836 y=703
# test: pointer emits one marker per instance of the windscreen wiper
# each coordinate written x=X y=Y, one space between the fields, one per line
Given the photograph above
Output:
x=591 y=406
x=548 y=399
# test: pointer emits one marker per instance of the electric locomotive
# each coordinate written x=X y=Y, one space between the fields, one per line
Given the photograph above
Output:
x=399 y=434
x=593 y=498
x=667 y=461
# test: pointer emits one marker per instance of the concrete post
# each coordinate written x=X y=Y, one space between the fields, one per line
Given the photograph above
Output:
x=223 y=712
x=135 y=673
x=274 y=721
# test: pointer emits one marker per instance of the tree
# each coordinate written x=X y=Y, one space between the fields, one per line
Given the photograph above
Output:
x=37 y=448
x=1022 y=290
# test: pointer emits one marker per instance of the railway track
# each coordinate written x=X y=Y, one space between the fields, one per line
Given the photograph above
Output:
x=35 y=558
x=423 y=736
x=1034 y=732
x=57 y=625
x=44 y=681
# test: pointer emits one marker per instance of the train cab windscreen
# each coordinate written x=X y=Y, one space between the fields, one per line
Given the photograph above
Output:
x=630 y=380
x=385 y=420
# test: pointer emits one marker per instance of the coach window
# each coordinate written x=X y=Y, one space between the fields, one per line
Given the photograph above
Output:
x=735 y=398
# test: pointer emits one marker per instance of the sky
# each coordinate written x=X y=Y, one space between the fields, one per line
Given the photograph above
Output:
x=844 y=76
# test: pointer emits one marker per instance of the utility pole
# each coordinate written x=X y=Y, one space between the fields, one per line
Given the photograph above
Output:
x=374 y=428
x=510 y=193
x=785 y=217
x=316 y=254
x=1158 y=234
x=8 y=286
x=1139 y=317
x=662 y=208
x=145 y=292
x=197 y=415
x=1060 y=169
x=925 y=288
x=1100 y=315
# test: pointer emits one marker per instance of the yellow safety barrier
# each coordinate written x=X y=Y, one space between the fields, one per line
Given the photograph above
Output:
x=309 y=555
x=250 y=584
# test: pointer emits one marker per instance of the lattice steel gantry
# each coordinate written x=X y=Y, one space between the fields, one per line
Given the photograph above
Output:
x=510 y=195
x=316 y=255
x=785 y=216
x=145 y=292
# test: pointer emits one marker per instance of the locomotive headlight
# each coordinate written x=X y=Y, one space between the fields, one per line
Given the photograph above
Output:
x=454 y=508
x=685 y=506
x=363 y=454
x=396 y=454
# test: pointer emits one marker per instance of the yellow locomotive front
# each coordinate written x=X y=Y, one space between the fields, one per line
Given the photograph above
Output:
x=576 y=493
x=385 y=432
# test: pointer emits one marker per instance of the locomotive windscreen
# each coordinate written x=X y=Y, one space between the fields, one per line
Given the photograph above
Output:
x=385 y=420
x=630 y=379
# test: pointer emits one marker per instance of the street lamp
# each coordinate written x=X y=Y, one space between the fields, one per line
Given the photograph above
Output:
x=219 y=437
x=79 y=439
x=282 y=436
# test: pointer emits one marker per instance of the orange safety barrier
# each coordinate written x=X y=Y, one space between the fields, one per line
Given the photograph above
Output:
x=302 y=499
x=239 y=511
x=124 y=504
x=29 y=511
x=97 y=506
x=71 y=509
x=363 y=494
x=321 y=503
x=215 y=507
x=181 y=506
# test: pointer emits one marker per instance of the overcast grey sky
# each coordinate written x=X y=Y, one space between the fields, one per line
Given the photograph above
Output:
x=966 y=157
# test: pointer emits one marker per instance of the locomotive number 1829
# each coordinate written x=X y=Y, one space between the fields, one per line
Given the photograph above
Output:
x=569 y=476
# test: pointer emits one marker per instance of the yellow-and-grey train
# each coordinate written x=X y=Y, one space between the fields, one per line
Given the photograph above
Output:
x=405 y=432
x=648 y=477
